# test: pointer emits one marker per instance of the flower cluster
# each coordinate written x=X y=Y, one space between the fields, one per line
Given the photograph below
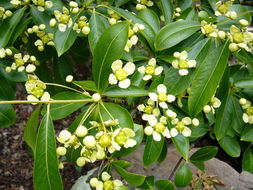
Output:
x=45 y=38
x=213 y=104
x=95 y=147
x=4 y=13
x=143 y=4
x=36 y=89
x=120 y=73
x=21 y=62
x=150 y=70
x=107 y=183
x=248 y=111
x=82 y=25
x=132 y=35
x=182 y=63
x=209 y=29
x=177 y=12
x=19 y=2
x=114 y=17
x=42 y=4
x=223 y=9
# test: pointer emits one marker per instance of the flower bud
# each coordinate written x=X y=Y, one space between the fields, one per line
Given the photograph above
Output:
x=45 y=97
x=233 y=15
x=81 y=131
x=8 y=13
x=140 y=7
x=207 y=109
x=41 y=48
x=73 y=4
x=244 y=22
x=35 y=28
x=75 y=10
x=65 y=135
x=89 y=141
x=80 y=161
x=148 y=130
x=61 y=166
x=112 y=21
x=8 y=69
x=243 y=101
x=177 y=54
x=96 y=97
x=61 y=151
x=178 y=10
x=93 y=182
x=233 y=47
x=105 y=176
x=52 y=22
x=222 y=35
x=30 y=68
x=69 y=78
x=86 y=30
x=42 y=26
x=105 y=140
x=195 y=122
x=30 y=30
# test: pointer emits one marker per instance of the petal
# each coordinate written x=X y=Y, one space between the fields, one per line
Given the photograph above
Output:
x=163 y=105
x=153 y=96
x=173 y=132
x=116 y=65
x=147 y=77
x=166 y=133
x=187 y=132
x=187 y=120
x=175 y=63
x=245 y=118
x=171 y=98
x=192 y=63
x=142 y=69
x=130 y=143
x=112 y=79
x=183 y=55
x=183 y=72
x=156 y=136
x=141 y=107
x=62 y=27
x=152 y=120
x=116 y=146
x=145 y=117
x=129 y=68
x=161 y=88
x=124 y=83
x=158 y=70
x=129 y=132
x=152 y=62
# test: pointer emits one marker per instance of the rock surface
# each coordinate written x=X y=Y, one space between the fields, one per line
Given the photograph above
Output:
x=224 y=172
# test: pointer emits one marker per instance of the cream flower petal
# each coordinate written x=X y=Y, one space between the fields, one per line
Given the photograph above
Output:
x=141 y=107
x=183 y=72
x=158 y=70
x=173 y=132
x=129 y=68
x=163 y=105
x=152 y=62
x=112 y=79
x=145 y=117
x=130 y=143
x=192 y=63
x=161 y=88
x=152 y=120
x=187 y=132
x=187 y=120
x=166 y=133
x=175 y=63
x=62 y=27
x=116 y=146
x=147 y=77
x=171 y=98
x=124 y=83
x=142 y=69
x=251 y=119
x=245 y=118
x=156 y=136
x=116 y=65
x=183 y=55
x=153 y=96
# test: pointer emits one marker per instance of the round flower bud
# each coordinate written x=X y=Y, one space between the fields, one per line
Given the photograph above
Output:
x=41 y=48
x=42 y=26
x=89 y=141
x=177 y=14
x=140 y=7
x=32 y=58
x=80 y=161
x=233 y=47
x=222 y=35
x=243 y=101
x=52 y=22
x=73 y=4
x=244 y=22
x=8 y=13
x=93 y=182
x=207 y=109
x=112 y=21
x=105 y=176
x=108 y=185
x=69 y=78
x=100 y=154
x=75 y=10
x=65 y=135
x=233 y=15
x=35 y=28
x=30 y=30
x=177 y=54
x=178 y=10
x=30 y=68
x=61 y=151
x=61 y=166
x=195 y=122
x=148 y=130
x=8 y=52
x=96 y=97
x=8 y=69
x=86 y=30
x=81 y=131
x=202 y=15
x=141 y=26
x=105 y=140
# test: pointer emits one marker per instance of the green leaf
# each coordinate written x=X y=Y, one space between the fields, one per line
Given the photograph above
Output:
x=167 y=9
x=109 y=48
x=181 y=143
x=199 y=165
x=224 y=117
x=119 y=3
x=7 y=115
x=183 y=176
x=164 y=153
x=152 y=150
x=244 y=56
x=207 y=79
x=64 y=40
x=131 y=178
x=247 y=133
x=164 y=185
x=150 y=17
x=247 y=161
x=87 y=85
x=9 y=25
x=31 y=127
x=6 y=89
x=204 y=154
x=138 y=129
x=174 y=33
x=244 y=83
x=98 y=25
x=131 y=91
x=115 y=111
x=230 y=145
x=59 y=111
x=237 y=112
x=46 y=172
x=122 y=163
x=148 y=184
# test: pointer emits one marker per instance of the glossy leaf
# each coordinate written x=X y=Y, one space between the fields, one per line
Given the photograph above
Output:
x=109 y=48
x=244 y=83
x=150 y=17
x=174 y=33
x=247 y=133
x=247 y=161
x=87 y=85
x=131 y=178
x=131 y=91
x=223 y=117
x=7 y=115
x=46 y=172
x=199 y=165
x=207 y=79
x=59 y=111
x=164 y=185
x=98 y=25
x=122 y=163
x=8 y=26
x=138 y=129
x=167 y=9
x=152 y=150
x=30 y=132
x=237 y=122
x=183 y=175
x=230 y=145
x=148 y=184
x=204 y=154
x=181 y=143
